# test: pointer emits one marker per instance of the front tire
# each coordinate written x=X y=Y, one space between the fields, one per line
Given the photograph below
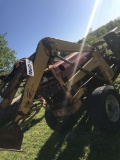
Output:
x=59 y=124
x=105 y=108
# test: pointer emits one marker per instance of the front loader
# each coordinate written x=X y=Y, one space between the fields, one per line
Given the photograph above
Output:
x=59 y=75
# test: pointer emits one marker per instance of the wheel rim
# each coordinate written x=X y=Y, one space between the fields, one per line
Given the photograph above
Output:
x=112 y=108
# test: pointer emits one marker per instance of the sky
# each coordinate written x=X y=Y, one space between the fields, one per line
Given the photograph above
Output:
x=26 y=22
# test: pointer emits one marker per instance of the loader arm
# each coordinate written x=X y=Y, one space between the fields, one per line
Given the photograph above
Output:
x=46 y=50
x=11 y=135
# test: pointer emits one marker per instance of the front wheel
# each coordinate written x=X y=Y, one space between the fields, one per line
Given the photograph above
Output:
x=59 y=124
x=105 y=108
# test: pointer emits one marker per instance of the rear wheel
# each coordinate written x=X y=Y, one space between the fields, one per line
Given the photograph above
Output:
x=112 y=108
x=105 y=108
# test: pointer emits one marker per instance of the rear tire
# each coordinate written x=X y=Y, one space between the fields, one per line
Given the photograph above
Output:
x=105 y=108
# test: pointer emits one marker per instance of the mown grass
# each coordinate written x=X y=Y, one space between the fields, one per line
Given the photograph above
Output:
x=83 y=142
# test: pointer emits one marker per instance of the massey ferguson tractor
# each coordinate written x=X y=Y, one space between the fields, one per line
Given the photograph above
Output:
x=59 y=76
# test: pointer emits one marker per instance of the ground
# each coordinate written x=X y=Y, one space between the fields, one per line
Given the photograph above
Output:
x=83 y=142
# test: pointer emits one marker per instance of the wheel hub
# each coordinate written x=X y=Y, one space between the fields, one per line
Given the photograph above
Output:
x=112 y=108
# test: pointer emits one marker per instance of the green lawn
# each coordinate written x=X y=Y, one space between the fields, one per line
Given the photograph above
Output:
x=83 y=142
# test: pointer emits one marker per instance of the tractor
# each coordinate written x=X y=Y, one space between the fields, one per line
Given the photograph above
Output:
x=59 y=76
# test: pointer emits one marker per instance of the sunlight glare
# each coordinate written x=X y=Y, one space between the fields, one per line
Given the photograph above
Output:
x=85 y=35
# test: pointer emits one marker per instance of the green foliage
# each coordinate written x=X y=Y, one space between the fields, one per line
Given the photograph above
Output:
x=94 y=36
x=117 y=83
x=7 y=56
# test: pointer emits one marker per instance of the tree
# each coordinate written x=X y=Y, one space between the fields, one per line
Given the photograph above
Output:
x=90 y=30
x=7 y=56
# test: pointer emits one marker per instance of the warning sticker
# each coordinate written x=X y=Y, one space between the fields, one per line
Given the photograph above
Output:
x=29 y=66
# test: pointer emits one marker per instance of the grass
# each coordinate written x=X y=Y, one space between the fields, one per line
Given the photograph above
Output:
x=117 y=83
x=83 y=142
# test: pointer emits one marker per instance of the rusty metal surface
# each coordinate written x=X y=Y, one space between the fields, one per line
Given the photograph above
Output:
x=76 y=57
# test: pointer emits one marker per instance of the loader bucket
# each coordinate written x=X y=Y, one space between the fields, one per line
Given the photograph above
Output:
x=11 y=137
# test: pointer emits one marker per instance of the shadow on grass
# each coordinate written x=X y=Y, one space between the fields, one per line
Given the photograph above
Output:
x=58 y=145
x=82 y=143
x=51 y=147
x=32 y=123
